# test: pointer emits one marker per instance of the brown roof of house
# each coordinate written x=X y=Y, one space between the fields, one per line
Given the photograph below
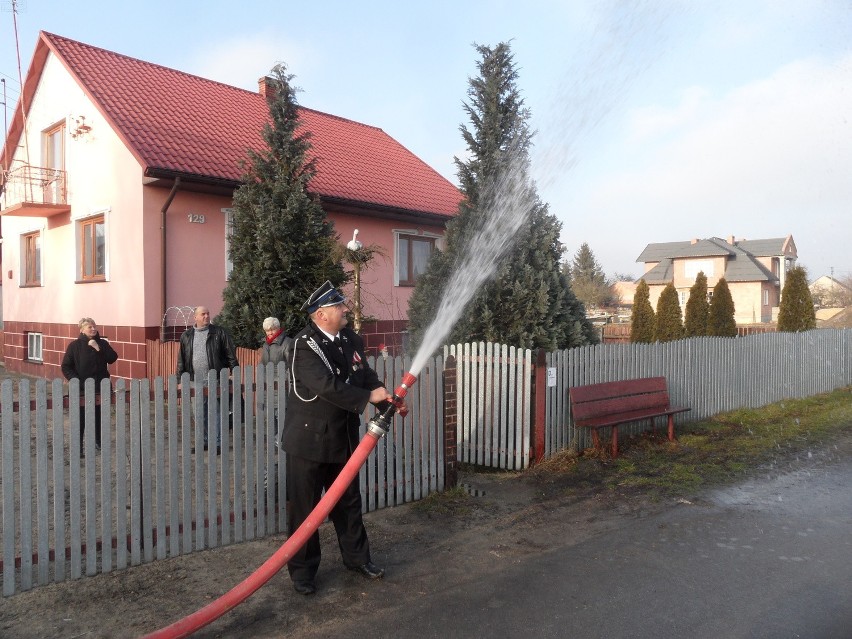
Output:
x=180 y=124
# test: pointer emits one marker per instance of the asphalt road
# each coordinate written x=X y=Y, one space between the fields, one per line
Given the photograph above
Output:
x=769 y=558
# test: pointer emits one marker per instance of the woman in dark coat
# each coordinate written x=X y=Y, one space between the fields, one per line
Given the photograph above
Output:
x=86 y=357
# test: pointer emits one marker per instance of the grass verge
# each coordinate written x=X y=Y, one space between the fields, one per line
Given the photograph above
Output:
x=711 y=452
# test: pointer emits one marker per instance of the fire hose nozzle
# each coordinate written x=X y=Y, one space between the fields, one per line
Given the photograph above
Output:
x=379 y=425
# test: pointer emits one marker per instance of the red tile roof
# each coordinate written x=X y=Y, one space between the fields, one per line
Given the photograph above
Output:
x=177 y=122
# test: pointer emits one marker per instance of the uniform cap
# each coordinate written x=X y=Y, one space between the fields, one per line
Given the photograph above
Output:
x=325 y=295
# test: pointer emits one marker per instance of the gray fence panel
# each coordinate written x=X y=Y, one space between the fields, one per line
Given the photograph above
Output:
x=25 y=490
x=7 y=438
x=58 y=476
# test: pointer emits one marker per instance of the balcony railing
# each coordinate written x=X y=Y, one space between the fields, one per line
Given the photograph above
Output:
x=33 y=188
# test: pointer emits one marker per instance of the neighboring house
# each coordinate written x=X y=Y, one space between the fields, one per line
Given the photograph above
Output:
x=624 y=292
x=755 y=271
x=830 y=293
x=118 y=182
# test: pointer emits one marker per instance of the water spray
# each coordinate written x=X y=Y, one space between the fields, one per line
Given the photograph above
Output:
x=377 y=428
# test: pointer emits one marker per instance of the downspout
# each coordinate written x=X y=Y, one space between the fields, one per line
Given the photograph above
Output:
x=163 y=271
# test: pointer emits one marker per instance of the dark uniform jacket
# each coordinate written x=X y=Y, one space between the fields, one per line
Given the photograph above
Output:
x=82 y=362
x=329 y=393
x=221 y=352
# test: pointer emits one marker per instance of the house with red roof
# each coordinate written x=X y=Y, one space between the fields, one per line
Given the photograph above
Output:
x=118 y=177
x=755 y=271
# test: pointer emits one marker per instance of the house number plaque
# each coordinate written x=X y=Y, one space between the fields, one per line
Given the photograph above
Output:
x=195 y=218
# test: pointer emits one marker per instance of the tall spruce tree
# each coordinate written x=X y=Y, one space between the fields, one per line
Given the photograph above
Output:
x=588 y=281
x=669 y=326
x=796 y=312
x=720 y=317
x=697 y=308
x=642 y=319
x=529 y=302
x=282 y=245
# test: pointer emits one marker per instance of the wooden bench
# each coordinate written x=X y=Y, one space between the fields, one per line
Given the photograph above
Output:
x=610 y=404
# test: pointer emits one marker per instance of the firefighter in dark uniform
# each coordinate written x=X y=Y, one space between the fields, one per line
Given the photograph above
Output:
x=331 y=387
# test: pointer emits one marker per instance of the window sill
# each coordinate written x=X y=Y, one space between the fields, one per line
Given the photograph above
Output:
x=92 y=280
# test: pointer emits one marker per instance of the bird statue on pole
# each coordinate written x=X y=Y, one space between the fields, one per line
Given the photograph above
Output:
x=354 y=244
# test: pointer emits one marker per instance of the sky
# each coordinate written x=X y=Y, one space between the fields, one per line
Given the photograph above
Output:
x=655 y=121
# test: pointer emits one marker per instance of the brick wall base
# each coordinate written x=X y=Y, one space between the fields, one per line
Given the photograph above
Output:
x=390 y=334
x=128 y=342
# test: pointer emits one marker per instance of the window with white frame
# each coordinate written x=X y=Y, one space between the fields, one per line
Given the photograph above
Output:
x=229 y=232
x=682 y=298
x=31 y=259
x=92 y=246
x=412 y=255
x=765 y=297
x=34 y=347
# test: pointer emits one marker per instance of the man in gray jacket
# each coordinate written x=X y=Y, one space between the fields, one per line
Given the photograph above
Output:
x=205 y=347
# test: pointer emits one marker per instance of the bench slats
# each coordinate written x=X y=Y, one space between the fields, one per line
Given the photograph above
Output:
x=618 y=389
x=631 y=416
x=598 y=407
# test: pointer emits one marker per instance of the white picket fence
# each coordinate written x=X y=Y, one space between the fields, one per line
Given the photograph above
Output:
x=494 y=404
x=147 y=494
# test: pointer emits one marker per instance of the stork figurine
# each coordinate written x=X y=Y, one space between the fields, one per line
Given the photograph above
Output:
x=354 y=244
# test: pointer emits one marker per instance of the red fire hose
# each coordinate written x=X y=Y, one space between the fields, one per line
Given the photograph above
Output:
x=377 y=427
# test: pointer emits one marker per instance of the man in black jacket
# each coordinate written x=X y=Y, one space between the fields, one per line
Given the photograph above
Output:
x=86 y=357
x=205 y=347
x=331 y=386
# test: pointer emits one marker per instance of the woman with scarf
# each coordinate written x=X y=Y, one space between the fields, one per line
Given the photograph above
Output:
x=276 y=348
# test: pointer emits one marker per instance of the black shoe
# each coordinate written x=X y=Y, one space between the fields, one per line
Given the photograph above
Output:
x=218 y=450
x=304 y=587
x=369 y=570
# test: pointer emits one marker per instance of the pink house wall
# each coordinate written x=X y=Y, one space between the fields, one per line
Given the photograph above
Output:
x=105 y=178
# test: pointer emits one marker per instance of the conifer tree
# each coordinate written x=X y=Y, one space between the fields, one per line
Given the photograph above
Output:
x=282 y=245
x=796 y=312
x=642 y=319
x=697 y=308
x=529 y=302
x=588 y=281
x=720 y=317
x=669 y=326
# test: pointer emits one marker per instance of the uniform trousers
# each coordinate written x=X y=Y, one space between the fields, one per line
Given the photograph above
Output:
x=305 y=483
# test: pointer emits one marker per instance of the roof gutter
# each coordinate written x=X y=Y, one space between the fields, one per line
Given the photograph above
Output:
x=163 y=269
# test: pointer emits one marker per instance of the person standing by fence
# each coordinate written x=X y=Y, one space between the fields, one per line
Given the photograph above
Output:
x=86 y=357
x=331 y=385
x=205 y=347
x=276 y=348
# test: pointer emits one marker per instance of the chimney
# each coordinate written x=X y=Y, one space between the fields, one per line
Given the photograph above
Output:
x=731 y=239
x=694 y=241
x=266 y=87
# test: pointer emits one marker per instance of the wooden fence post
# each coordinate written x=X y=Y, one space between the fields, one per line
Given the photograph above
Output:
x=451 y=460
x=539 y=397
